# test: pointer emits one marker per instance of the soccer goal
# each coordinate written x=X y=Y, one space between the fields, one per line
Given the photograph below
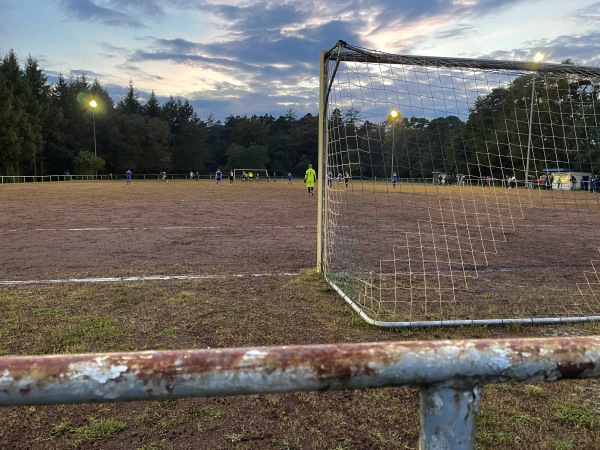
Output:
x=251 y=174
x=472 y=194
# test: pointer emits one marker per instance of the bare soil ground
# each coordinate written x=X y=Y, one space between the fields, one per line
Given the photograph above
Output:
x=64 y=245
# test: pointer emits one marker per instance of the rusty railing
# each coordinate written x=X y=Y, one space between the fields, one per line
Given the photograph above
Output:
x=450 y=374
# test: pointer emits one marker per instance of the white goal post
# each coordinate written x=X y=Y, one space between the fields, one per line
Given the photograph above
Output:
x=474 y=195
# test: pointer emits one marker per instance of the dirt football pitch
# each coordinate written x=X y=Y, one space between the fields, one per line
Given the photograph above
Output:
x=104 y=267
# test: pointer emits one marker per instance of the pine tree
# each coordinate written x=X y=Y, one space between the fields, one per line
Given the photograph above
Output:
x=152 y=106
x=9 y=137
x=130 y=103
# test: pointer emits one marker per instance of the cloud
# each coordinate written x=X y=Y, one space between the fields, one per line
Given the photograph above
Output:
x=89 y=11
x=456 y=32
x=579 y=49
x=255 y=56
x=145 y=8
x=258 y=16
x=589 y=14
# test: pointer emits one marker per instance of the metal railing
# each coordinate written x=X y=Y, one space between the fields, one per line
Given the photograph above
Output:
x=450 y=374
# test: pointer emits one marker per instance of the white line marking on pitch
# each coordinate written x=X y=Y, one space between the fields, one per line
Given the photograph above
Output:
x=149 y=278
x=15 y=230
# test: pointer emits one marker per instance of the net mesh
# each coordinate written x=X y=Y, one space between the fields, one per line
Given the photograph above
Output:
x=477 y=202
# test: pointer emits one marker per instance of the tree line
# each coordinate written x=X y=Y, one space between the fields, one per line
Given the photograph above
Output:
x=494 y=140
x=53 y=129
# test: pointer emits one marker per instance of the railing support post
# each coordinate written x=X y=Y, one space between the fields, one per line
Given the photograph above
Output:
x=448 y=417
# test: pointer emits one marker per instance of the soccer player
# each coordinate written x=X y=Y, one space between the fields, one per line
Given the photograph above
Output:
x=163 y=176
x=267 y=175
x=346 y=178
x=309 y=179
x=218 y=176
x=191 y=175
x=128 y=176
x=330 y=178
x=231 y=177
x=340 y=179
x=289 y=177
x=394 y=180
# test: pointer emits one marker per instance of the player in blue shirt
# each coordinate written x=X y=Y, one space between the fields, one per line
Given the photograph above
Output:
x=394 y=180
x=218 y=176
x=330 y=178
x=289 y=177
x=340 y=178
x=128 y=175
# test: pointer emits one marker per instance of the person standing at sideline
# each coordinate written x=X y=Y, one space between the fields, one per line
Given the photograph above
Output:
x=309 y=179
x=128 y=175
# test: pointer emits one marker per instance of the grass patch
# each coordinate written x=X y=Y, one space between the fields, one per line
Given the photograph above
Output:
x=562 y=444
x=166 y=416
x=94 y=430
x=207 y=413
x=289 y=311
x=52 y=312
x=535 y=391
x=80 y=334
x=62 y=428
x=171 y=331
x=575 y=415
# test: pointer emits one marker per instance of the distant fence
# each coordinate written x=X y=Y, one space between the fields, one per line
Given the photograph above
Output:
x=466 y=181
x=106 y=177
x=450 y=374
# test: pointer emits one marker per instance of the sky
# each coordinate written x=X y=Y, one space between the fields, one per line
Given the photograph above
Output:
x=246 y=57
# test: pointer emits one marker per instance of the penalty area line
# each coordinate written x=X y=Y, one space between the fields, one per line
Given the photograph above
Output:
x=149 y=278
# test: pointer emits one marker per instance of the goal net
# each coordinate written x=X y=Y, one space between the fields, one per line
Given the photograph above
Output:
x=472 y=194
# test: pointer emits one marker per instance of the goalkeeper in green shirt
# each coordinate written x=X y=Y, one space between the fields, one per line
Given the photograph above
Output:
x=310 y=178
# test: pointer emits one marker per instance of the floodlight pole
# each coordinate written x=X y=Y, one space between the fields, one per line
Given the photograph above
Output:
x=93 y=105
x=393 y=148
x=94 y=121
